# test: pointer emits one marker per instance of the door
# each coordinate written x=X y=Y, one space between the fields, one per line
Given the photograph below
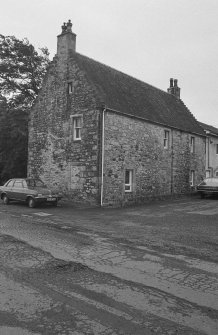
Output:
x=18 y=190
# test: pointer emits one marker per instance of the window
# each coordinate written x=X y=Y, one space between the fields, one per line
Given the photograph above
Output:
x=192 y=181
x=70 y=87
x=25 y=184
x=192 y=144
x=166 y=139
x=217 y=149
x=216 y=174
x=128 y=180
x=77 y=125
x=18 y=184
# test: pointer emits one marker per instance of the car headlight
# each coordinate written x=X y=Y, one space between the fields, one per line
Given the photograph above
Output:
x=39 y=195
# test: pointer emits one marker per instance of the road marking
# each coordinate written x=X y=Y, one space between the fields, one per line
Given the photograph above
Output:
x=211 y=211
x=42 y=214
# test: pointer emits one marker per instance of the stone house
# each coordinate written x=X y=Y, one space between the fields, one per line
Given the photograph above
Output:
x=211 y=150
x=101 y=136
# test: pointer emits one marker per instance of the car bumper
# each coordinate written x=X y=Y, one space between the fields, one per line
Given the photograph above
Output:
x=51 y=199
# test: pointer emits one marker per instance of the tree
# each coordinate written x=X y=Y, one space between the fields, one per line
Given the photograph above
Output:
x=22 y=70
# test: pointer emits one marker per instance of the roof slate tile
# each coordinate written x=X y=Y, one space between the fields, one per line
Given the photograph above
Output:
x=134 y=97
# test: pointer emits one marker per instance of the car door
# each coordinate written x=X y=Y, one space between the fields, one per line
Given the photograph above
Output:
x=8 y=188
x=18 y=190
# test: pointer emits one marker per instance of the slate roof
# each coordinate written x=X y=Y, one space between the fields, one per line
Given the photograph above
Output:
x=134 y=97
x=209 y=128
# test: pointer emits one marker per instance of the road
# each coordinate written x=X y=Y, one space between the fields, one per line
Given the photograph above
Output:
x=150 y=269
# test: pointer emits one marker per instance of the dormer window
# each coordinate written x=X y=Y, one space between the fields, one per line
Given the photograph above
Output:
x=70 y=87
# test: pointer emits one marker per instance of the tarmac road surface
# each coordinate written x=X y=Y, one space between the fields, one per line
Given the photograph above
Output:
x=144 y=270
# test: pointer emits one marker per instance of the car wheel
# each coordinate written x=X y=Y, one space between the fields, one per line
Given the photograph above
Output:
x=5 y=199
x=31 y=203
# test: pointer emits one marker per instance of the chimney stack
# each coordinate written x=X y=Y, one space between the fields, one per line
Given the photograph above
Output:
x=66 y=40
x=171 y=82
x=174 y=89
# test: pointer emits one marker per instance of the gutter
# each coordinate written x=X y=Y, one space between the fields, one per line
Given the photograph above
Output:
x=102 y=157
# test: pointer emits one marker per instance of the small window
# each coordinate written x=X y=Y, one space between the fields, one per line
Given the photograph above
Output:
x=216 y=173
x=77 y=125
x=217 y=149
x=128 y=180
x=192 y=144
x=166 y=139
x=70 y=87
x=192 y=181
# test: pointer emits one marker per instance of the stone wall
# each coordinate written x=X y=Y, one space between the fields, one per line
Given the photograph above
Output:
x=212 y=156
x=74 y=167
x=138 y=145
x=70 y=166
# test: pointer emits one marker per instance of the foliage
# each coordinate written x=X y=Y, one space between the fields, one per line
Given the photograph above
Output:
x=13 y=143
x=22 y=70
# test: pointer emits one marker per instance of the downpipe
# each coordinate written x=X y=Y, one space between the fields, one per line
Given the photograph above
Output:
x=102 y=157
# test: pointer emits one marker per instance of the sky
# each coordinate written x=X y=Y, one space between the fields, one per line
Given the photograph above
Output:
x=152 y=40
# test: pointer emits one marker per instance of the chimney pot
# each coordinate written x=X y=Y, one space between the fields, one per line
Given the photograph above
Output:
x=69 y=26
x=66 y=40
x=171 y=82
x=174 y=89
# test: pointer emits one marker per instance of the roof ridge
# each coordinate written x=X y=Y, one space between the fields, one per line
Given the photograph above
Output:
x=123 y=73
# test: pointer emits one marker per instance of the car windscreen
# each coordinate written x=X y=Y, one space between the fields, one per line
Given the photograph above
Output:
x=9 y=183
x=210 y=182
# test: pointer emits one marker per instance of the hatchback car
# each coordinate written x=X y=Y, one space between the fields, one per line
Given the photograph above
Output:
x=29 y=190
x=208 y=186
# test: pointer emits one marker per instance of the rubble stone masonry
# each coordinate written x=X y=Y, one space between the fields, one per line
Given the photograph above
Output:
x=137 y=145
x=73 y=167
x=68 y=165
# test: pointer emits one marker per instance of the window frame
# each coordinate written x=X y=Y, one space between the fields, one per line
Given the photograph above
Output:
x=192 y=145
x=75 y=127
x=70 y=87
x=128 y=184
x=216 y=148
x=166 y=139
x=192 y=180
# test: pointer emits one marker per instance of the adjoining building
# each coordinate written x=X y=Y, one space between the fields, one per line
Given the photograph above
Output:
x=102 y=136
x=211 y=150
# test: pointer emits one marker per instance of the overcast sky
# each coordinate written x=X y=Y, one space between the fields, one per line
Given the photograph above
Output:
x=152 y=40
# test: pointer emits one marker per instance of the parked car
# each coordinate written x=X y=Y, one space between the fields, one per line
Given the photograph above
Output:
x=29 y=190
x=208 y=186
